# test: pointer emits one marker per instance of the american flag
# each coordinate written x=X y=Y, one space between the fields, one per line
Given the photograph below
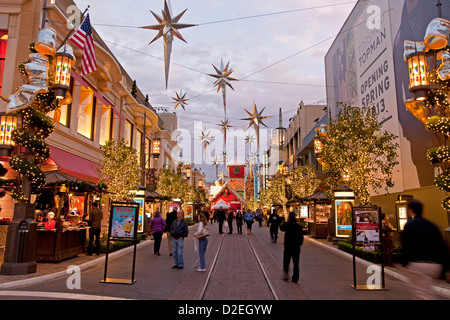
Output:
x=84 y=40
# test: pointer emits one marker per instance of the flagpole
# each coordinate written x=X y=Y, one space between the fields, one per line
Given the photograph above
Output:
x=71 y=31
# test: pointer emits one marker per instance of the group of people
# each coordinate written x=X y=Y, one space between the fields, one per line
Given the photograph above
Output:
x=424 y=252
x=177 y=230
x=248 y=217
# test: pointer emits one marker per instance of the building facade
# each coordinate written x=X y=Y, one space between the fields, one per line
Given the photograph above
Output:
x=365 y=66
x=102 y=106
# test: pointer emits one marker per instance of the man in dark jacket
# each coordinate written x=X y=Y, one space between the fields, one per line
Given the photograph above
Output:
x=95 y=222
x=424 y=252
x=220 y=218
x=179 y=230
x=293 y=239
x=274 y=223
x=170 y=218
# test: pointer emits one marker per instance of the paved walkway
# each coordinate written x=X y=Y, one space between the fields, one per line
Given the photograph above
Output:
x=326 y=273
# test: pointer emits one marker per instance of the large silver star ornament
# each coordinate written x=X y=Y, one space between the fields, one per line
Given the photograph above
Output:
x=180 y=100
x=168 y=29
x=206 y=140
x=255 y=121
x=223 y=80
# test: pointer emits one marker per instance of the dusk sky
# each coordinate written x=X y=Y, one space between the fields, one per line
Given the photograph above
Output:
x=287 y=48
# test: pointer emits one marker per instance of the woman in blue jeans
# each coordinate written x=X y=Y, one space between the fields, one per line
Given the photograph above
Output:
x=202 y=241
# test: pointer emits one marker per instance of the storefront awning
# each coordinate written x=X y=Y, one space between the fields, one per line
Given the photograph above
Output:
x=71 y=164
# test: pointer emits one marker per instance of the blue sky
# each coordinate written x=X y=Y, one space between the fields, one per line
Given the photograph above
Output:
x=249 y=45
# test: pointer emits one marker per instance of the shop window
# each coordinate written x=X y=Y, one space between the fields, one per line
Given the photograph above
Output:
x=138 y=145
x=86 y=113
x=128 y=133
x=3 y=43
x=65 y=110
x=106 y=124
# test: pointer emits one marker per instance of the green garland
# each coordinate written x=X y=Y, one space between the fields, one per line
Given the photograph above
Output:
x=78 y=185
x=38 y=148
x=439 y=125
x=442 y=182
x=438 y=154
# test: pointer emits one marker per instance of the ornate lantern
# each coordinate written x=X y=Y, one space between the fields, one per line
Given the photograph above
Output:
x=156 y=148
x=64 y=61
x=8 y=124
x=416 y=57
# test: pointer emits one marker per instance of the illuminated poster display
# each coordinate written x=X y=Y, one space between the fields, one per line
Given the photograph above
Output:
x=141 y=214
x=343 y=217
x=123 y=221
x=367 y=226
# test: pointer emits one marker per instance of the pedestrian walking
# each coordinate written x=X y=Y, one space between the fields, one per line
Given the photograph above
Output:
x=170 y=218
x=293 y=239
x=424 y=252
x=230 y=218
x=248 y=217
x=202 y=235
x=274 y=223
x=95 y=222
x=221 y=218
x=179 y=230
x=157 y=225
x=388 y=246
x=239 y=221
x=259 y=217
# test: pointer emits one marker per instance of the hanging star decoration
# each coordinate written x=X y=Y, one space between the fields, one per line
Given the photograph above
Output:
x=222 y=176
x=216 y=163
x=206 y=140
x=223 y=80
x=255 y=120
x=180 y=100
x=168 y=29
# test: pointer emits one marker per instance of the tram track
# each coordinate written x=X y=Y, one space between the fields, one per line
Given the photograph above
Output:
x=216 y=268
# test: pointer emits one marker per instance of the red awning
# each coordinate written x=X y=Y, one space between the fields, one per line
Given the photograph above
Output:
x=73 y=165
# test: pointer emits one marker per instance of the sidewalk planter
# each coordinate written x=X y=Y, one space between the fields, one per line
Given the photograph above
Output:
x=373 y=256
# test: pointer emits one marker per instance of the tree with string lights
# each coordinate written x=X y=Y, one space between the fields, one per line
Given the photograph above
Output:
x=119 y=170
x=359 y=153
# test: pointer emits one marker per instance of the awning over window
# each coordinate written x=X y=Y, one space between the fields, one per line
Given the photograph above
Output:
x=71 y=164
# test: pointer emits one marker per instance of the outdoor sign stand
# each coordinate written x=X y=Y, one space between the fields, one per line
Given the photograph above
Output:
x=122 y=227
x=366 y=231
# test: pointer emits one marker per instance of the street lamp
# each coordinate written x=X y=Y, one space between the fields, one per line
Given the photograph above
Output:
x=64 y=61
x=156 y=148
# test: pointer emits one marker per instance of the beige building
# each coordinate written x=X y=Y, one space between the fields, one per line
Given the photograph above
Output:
x=300 y=125
x=102 y=107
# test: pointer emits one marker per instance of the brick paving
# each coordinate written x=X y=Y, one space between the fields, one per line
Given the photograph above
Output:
x=324 y=274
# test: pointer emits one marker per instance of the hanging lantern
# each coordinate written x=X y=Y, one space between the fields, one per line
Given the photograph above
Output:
x=8 y=124
x=64 y=61
x=188 y=172
x=156 y=148
x=417 y=67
